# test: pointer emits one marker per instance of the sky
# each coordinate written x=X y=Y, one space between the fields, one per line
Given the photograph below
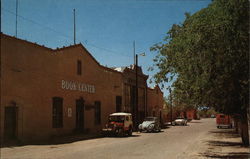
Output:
x=106 y=28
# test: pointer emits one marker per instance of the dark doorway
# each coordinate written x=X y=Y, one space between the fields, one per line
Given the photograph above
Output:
x=161 y=117
x=79 y=114
x=133 y=99
x=10 y=123
x=118 y=103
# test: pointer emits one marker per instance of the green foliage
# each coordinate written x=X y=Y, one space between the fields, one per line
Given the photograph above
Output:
x=206 y=112
x=208 y=54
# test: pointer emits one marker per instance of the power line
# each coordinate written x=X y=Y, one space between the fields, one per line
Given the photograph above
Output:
x=34 y=22
x=108 y=50
x=74 y=26
x=64 y=35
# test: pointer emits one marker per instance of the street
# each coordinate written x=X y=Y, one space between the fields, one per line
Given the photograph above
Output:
x=174 y=142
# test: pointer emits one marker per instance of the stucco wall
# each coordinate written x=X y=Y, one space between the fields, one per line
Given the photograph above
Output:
x=32 y=75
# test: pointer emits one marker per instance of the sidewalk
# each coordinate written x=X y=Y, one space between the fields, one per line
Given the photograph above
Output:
x=73 y=138
x=223 y=143
x=55 y=140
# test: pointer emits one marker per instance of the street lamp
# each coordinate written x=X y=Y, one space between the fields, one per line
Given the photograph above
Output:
x=136 y=88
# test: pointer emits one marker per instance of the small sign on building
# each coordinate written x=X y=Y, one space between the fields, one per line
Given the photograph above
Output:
x=69 y=112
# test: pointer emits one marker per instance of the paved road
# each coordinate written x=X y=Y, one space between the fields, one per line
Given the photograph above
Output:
x=172 y=143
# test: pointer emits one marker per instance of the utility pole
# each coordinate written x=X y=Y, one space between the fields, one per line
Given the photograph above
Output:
x=134 y=52
x=136 y=90
x=16 y=15
x=74 y=27
x=171 y=106
x=0 y=16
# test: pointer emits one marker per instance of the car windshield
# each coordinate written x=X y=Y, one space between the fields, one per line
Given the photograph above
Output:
x=116 y=118
x=149 y=119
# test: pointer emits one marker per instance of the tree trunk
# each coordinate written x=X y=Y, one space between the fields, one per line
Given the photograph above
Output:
x=236 y=125
x=244 y=129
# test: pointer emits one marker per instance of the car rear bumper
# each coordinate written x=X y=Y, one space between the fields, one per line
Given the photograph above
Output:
x=224 y=125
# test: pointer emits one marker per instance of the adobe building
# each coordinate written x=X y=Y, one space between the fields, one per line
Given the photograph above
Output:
x=46 y=92
x=51 y=92
x=191 y=114
x=155 y=102
x=129 y=91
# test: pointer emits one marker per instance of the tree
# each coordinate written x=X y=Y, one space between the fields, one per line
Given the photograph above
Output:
x=208 y=56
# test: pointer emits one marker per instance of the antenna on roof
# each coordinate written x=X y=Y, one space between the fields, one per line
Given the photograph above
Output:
x=16 y=15
x=1 y=16
x=74 y=27
x=134 y=51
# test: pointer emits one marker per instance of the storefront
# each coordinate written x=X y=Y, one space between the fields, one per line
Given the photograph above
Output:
x=155 y=103
x=129 y=92
x=51 y=92
x=46 y=92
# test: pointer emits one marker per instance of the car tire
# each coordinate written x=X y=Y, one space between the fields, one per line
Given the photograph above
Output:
x=130 y=131
x=120 y=133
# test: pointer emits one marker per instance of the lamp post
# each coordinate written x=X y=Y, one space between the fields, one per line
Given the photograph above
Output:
x=136 y=89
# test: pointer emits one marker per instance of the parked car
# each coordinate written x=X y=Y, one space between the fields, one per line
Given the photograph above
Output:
x=150 y=124
x=180 y=121
x=223 y=120
x=119 y=124
x=212 y=116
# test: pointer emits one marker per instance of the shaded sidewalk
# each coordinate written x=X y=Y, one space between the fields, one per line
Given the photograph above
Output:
x=224 y=143
x=55 y=140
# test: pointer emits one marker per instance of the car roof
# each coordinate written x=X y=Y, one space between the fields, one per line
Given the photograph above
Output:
x=120 y=114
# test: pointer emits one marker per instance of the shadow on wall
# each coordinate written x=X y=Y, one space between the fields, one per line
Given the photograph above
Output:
x=233 y=155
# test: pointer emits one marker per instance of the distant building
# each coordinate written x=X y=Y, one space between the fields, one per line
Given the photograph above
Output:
x=155 y=102
x=129 y=91
x=49 y=92
x=191 y=114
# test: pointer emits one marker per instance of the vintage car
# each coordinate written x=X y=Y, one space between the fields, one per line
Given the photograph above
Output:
x=119 y=124
x=150 y=124
x=180 y=121
x=223 y=120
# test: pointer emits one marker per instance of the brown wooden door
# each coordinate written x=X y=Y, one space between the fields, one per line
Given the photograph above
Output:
x=79 y=114
x=118 y=103
x=10 y=122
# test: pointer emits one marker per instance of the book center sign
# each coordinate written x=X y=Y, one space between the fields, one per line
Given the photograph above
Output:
x=77 y=86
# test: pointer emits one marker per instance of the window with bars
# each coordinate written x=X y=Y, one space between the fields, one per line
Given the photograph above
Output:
x=97 y=112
